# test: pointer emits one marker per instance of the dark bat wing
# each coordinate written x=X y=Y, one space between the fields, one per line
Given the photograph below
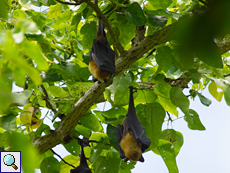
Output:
x=83 y=168
x=119 y=131
x=134 y=125
x=103 y=56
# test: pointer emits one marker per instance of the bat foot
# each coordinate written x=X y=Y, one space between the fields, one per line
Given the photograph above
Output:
x=126 y=159
x=99 y=81
x=94 y=79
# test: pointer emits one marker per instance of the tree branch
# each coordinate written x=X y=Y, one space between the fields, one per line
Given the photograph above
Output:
x=77 y=2
x=107 y=24
x=224 y=45
x=62 y=159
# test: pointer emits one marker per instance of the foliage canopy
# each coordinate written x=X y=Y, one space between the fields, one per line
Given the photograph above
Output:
x=170 y=50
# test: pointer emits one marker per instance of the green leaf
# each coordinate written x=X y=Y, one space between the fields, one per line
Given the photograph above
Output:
x=26 y=26
x=5 y=93
x=32 y=51
x=3 y=9
x=113 y=162
x=69 y=159
x=212 y=88
x=91 y=121
x=113 y=113
x=183 y=58
x=22 y=97
x=151 y=117
x=73 y=147
x=164 y=58
x=99 y=164
x=163 y=92
x=179 y=99
x=65 y=16
x=20 y=14
x=111 y=132
x=167 y=153
x=82 y=7
x=147 y=74
x=83 y=130
x=126 y=29
x=158 y=21
x=210 y=54
x=160 y=4
x=96 y=153
x=193 y=120
x=8 y=122
x=174 y=72
x=205 y=101
x=29 y=156
x=11 y=53
x=54 y=11
x=126 y=167
x=57 y=91
x=50 y=164
x=120 y=89
x=227 y=95
x=89 y=31
x=175 y=137
x=144 y=96
x=135 y=14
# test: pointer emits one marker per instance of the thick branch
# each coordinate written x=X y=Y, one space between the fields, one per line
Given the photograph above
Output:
x=140 y=35
x=224 y=45
x=108 y=26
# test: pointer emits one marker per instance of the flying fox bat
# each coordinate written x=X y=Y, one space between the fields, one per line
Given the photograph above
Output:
x=102 y=57
x=132 y=141
x=83 y=167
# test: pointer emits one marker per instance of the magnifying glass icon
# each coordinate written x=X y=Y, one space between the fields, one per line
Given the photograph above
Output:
x=9 y=160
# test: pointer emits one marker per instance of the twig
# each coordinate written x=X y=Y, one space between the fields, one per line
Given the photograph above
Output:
x=62 y=158
x=107 y=24
x=49 y=104
x=150 y=53
x=87 y=142
x=68 y=3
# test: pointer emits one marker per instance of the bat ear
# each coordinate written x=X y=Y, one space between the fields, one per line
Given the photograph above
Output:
x=141 y=159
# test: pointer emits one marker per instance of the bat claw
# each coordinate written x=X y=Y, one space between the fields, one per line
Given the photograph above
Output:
x=126 y=159
x=141 y=159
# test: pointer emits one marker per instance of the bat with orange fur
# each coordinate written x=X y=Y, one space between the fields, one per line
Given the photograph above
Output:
x=102 y=57
x=131 y=137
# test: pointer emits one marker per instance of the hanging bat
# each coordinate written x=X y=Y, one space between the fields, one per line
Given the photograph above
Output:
x=83 y=167
x=102 y=57
x=132 y=141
